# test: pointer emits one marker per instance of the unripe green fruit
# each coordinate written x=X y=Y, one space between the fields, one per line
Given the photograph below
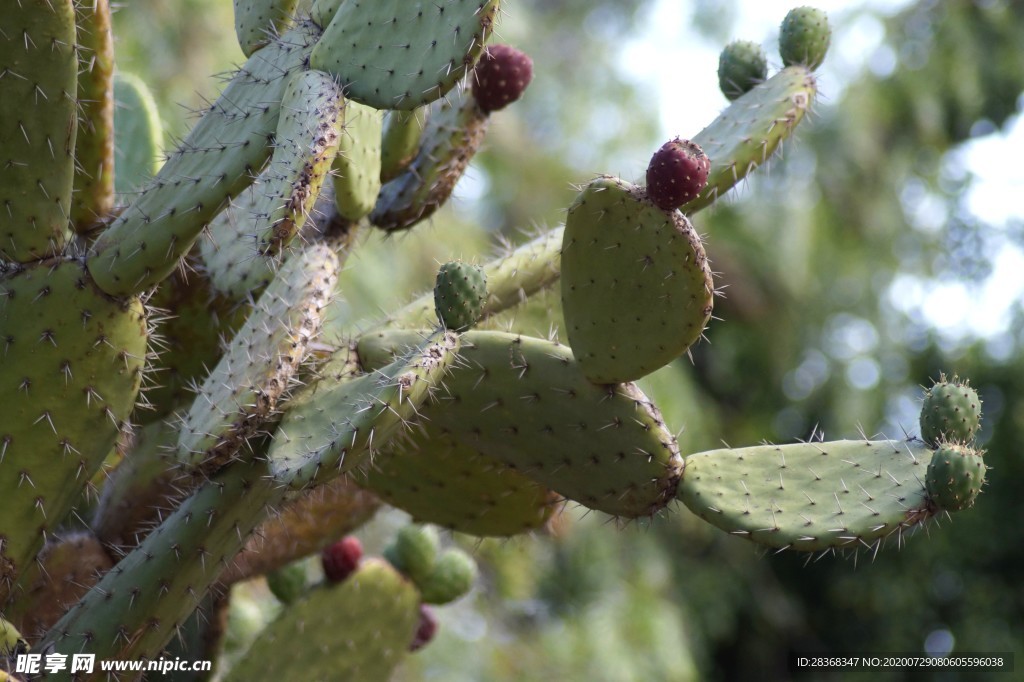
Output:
x=452 y=577
x=414 y=551
x=741 y=66
x=287 y=583
x=805 y=37
x=955 y=476
x=459 y=295
x=951 y=413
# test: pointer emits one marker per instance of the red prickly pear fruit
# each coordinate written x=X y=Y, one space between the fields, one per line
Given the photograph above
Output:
x=426 y=630
x=341 y=559
x=677 y=173
x=500 y=77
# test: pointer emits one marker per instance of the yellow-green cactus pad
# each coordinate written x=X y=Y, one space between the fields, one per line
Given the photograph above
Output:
x=811 y=496
x=38 y=126
x=355 y=631
x=70 y=371
x=438 y=479
x=334 y=425
x=748 y=132
x=243 y=389
x=400 y=54
x=245 y=240
x=636 y=285
x=357 y=165
x=527 y=403
x=221 y=156
x=257 y=22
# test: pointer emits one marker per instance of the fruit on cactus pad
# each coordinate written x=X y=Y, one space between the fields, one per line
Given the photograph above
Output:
x=677 y=173
x=501 y=77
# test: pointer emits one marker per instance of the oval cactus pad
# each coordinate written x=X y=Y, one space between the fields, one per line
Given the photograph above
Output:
x=810 y=496
x=636 y=286
x=400 y=54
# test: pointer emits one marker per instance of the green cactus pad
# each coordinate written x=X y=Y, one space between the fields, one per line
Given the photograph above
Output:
x=526 y=402
x=356 y=631
x=636 y=286
x=741 y=66
x=451 y=577
x=804 y=37
x=748 y=132
x=257 y=369
x=810 y=496
x=158 y=585
x=196 y=320
x=257 y=22
x=450 y=139
x=955 y=476
x=951 y=413
x=70 y=371
x=138 y=134
x=93 y=194
x=459 y=294
x=439 y=480
x=414 y=551
x=239 y=255
x=322 y=11
x=357 y=166
x=220 y=157
x=144 y=480
x=331 y=427
x=400 y=140
x=400 y=54
x=38 y=124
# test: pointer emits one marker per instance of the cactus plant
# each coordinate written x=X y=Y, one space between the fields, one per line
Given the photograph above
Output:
x=237 y=235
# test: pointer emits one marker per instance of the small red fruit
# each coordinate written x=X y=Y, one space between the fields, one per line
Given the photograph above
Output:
x=341 y=559
x=426 y=630
x=500 y=77
x=677 y=173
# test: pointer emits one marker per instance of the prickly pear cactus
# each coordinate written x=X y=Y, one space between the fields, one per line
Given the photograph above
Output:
x=278 y=424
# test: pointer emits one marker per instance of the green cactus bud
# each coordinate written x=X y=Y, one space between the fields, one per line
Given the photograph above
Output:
x=358 y=163
x=11 y=641
x=399 y=141
x=453 y=576
x=805 y=37
x=459 y=294
x=415 y=551
x=288 y=583
x=951 y=413
x=741 y=66
x=955 y=476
